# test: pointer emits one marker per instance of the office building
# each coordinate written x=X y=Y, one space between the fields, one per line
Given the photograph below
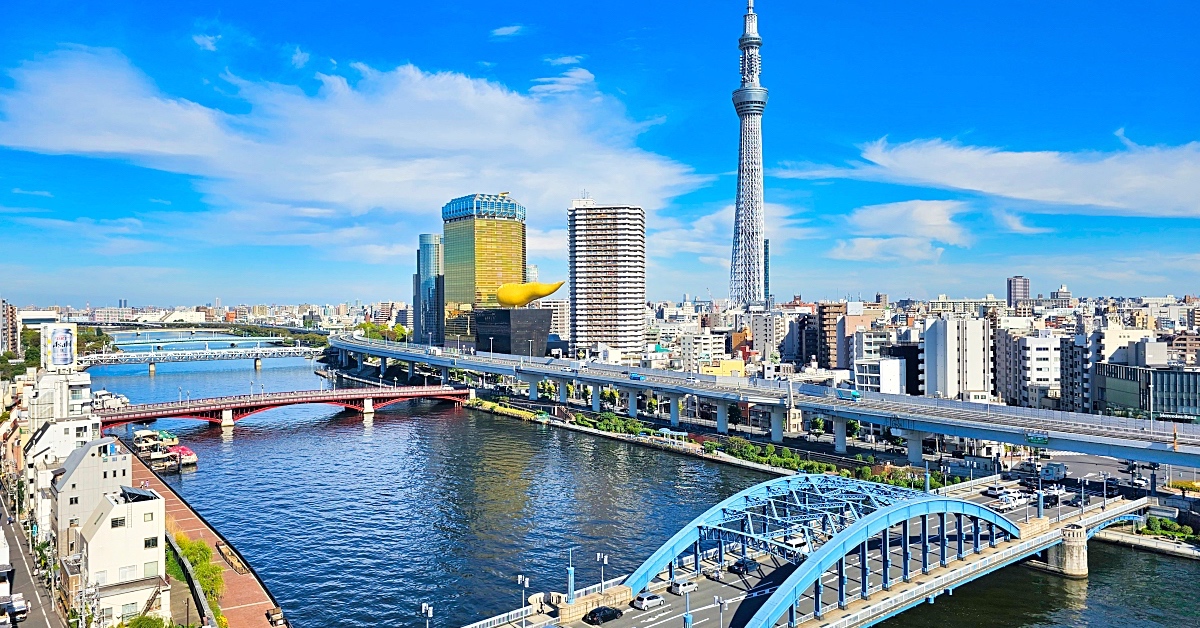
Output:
x=607 y=267
x=560 y=323
x=1018 y=288
x=958 y=358
x=1028 y=367
x=1083 y=353
x=483 y=248
x=429 y=291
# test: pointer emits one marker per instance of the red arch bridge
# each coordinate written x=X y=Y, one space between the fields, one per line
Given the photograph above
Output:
x=226 y=410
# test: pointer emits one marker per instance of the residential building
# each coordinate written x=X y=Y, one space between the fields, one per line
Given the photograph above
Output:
x=767 y=332
x=971 y=307
x=98 y=468
x=560 y=323
x=122 y=555
x=882 y=375
x=1018 y=288
x=1028 y=367
x=10 y=330
x=914 y=366
x=429 y=291
x=701 y=348
x=957 y=354
x=1080 y=356
x=606 y=257
x=483 y=248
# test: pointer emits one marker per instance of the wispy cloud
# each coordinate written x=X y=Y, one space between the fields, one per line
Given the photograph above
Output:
x=299 y=58
x=298 y=167
x=160 y=201
x=572 y=80
x=1016 y=224
x=883 y=249
x=904 y=230
x=32 y=192
x=206 y=42
x=565 y=60
x=1136 y=181
x=507 y=31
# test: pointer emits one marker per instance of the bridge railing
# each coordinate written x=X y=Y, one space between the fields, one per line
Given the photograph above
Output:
x=508 y=618
x=233 y=401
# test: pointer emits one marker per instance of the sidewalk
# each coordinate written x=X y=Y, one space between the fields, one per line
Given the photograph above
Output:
x=41 y=603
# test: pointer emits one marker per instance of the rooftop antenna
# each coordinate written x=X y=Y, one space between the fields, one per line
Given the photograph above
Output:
x=584 y=193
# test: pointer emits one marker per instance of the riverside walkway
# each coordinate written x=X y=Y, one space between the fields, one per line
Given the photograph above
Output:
x=246 y=600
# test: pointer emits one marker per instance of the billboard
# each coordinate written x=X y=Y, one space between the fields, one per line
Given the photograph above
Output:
x=59 y=346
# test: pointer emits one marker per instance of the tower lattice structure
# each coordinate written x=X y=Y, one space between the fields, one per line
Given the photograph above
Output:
x=747 y=273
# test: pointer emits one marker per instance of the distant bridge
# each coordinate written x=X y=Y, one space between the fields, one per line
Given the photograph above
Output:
x=227 y=410
x=197 y=355
x=208 y=340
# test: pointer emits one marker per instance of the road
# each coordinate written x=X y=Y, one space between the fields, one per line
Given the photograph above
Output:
x=41 y=604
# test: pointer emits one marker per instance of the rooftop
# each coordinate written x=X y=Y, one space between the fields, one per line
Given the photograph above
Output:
x=500 y=206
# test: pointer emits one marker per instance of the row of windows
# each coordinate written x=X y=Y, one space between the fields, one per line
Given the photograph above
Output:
x=129 y=572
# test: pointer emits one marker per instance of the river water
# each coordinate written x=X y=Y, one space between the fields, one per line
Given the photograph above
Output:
x=356 y=525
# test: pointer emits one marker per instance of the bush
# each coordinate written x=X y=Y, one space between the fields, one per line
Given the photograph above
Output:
x=147 y=621
x=710 y=446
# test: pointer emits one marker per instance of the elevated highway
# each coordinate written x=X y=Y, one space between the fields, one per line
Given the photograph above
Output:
x=914 y=418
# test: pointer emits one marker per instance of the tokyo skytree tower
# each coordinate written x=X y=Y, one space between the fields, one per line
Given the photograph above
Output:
x=746 y=273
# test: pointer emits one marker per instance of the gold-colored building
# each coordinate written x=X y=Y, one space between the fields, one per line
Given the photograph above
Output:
x=483 y=247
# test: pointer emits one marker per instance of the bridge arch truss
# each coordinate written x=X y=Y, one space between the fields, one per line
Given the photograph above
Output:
x=833 y=539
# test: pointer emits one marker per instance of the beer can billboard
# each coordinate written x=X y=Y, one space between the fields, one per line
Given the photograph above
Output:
x=58 y=345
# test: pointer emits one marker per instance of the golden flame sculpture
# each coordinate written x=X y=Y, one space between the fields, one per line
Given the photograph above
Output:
x=521 y=294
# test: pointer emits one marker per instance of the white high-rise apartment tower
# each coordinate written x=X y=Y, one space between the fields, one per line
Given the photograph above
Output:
x=747 y=274
x=607 y=267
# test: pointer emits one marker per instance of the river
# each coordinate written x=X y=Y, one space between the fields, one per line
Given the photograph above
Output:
x=356 y=525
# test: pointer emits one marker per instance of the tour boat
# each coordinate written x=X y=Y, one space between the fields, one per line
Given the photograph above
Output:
x=145 y=441
x=167 y=439
x=187 y=457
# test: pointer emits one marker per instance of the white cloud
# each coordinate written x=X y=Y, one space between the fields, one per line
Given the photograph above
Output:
x=384 y=148
x=710 y=236
x=1016 y=224
x=299 y=58
x=507 y=31
x=932 y=220
x=206 y=42
x=572 y=80
x=884 y=249
x=565 y=60
x=160 y=201
x=32 y=192
x=1136 y=181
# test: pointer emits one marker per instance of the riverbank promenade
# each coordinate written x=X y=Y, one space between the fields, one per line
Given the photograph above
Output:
x=246 y=601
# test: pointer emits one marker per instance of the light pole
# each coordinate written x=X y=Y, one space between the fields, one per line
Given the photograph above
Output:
x=427 y=611
x=524 y=582
x=1104 y=490
x=262 y=389
x=251 y=388
x=530 y=349
x=1151 y=395
x=603 y=560
x=722 y=606
x=395 y=383
x=492 y=345
x=181 y=393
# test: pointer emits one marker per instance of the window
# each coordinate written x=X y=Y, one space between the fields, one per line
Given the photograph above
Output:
x=74 y=501
x=128 y=573
x=66 y=431
x=74 y=521
x=118 y=522
x=106 y=475
x=150 y=569
x=151 y=542
x=149 y=517
x=128 y=611
x=101 y=578
x=105 y=616
x=123 y=472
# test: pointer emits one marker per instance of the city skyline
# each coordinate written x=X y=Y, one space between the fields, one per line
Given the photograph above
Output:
x=152 y=154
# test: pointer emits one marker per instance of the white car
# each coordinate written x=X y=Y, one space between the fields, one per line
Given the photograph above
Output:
x=647 y=601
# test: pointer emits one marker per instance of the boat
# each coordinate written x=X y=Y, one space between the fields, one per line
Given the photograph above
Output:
x=167 y=439
x=186 y=456
x=145 y=440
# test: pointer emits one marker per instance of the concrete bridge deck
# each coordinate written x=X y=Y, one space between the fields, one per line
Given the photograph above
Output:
x=196 y=355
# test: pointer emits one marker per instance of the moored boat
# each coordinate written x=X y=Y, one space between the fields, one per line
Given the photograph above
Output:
x=167 y=439
x=186 y=456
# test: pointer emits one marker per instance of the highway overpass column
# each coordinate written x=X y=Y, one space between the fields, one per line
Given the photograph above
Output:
x=674 y=401
x=382 y=365
x=633 y=396
x=777 y=416
x=533 y=389
x=596 y=397
x=839 y=436
x=412 y=370
x=913 y=441
x=445 y=375
x=722 y=416
x=562 y=391
x=227 y=418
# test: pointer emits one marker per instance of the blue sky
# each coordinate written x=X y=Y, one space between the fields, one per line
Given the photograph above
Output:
x=282 y=152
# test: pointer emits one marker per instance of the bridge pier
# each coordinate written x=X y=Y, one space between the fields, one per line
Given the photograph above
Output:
x=633 y=397
x=839 y=436
x=777 y=416
x=368 y=409
x=258 y=364
x=412 y=370
x=563 y=397
x=152 y=368
x=722 y=416
x=226 y=417
x=445 y=375
x=596 y=397
x=1070 y=559
x=674 y=401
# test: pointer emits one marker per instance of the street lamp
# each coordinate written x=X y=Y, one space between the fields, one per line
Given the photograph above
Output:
x=531 y=349
x=722 y=606
x=491 y=345
x=1151 y=407
x=262 y=389
x=427 y=612
x=251 y=388
x=181 y=393
x=603 y=560
x=524 y=582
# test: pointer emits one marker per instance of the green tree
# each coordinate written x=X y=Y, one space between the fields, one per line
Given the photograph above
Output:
x=818 y=424
x=852 y=428
x=735 y=414
x=710 y=446
x=652 y=405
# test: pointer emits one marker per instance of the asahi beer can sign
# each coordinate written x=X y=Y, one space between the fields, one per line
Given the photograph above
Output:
x=58 y=345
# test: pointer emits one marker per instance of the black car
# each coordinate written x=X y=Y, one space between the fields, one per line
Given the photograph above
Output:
x=601 y=614
x=744 y=566
x=1049 y=500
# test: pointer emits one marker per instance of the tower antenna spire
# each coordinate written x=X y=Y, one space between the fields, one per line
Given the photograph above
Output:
x=747 y=275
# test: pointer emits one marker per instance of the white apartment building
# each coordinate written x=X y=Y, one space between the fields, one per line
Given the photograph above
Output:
x=958 y=358
x=560 y=319
x=607 y=267
x=882 y=375
x=92 y=471
x=767 y=332
x=1028 y=366
x=697 y=348
x=973 y=307
x=122 y=555
x=1082 y=352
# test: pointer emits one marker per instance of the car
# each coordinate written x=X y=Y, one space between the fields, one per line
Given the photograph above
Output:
x=1050 y=500
x=1079 y=500
x=602 y=614
x=648 y=600
x=744 y=566
x=1140 y=483
x=679 y=587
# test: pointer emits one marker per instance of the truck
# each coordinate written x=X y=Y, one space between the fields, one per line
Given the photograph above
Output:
x=848 y=395
x=1053 y=472
x=17 y=607
x=637 y=377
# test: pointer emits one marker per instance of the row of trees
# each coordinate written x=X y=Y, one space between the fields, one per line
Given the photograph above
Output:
x=610 y=422
x=1159 y=526
x=11 y=366
x=208 y=573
